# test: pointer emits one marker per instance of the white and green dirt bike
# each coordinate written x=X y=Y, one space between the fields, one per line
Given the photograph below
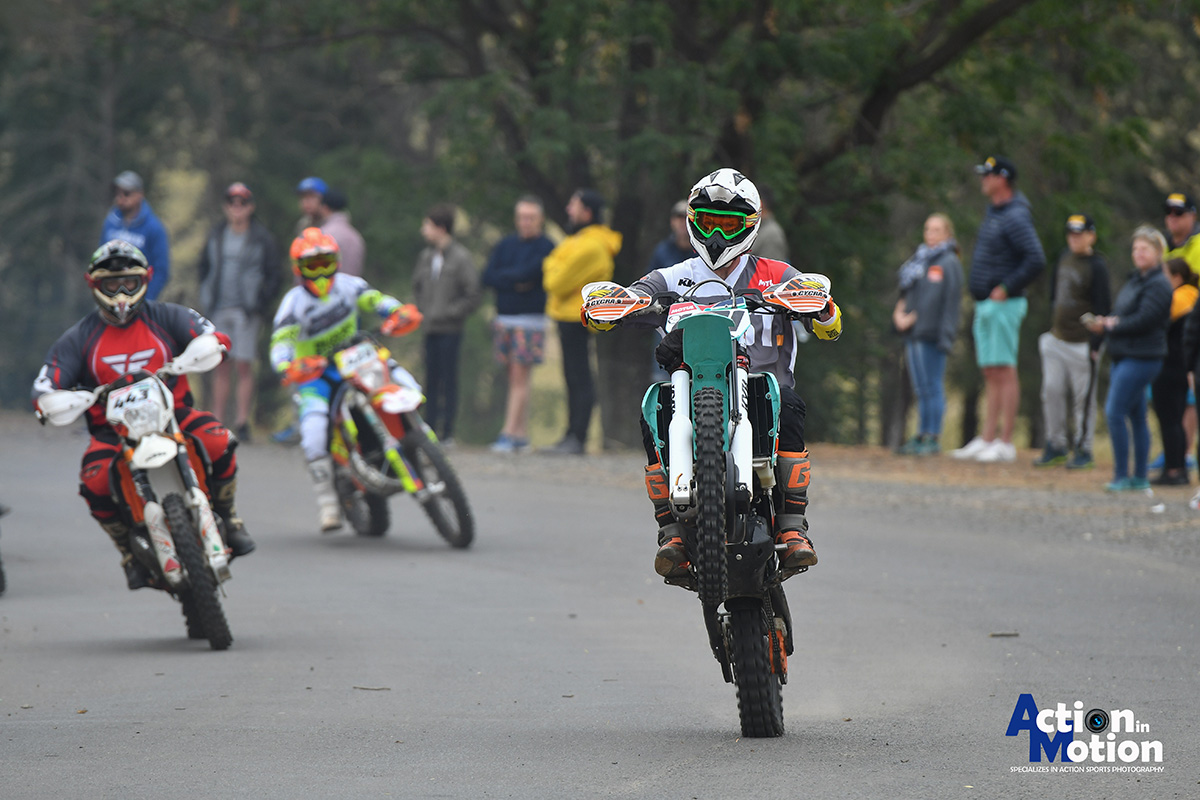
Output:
x=715 y=426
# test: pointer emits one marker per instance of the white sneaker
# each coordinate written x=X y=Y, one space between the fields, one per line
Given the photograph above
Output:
x=969 y=450
x=996 y=451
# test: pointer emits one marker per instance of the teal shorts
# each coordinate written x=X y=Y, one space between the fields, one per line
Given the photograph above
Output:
x=997 y=331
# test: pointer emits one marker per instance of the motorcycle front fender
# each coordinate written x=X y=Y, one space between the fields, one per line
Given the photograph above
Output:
x=154 y=451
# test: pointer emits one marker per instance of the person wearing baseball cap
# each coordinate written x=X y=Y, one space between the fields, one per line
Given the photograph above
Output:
x=1070 y=352
x=1181 y=229
x=1008 y=257
x=311 y=192
x=132 y=220
x=239 y=277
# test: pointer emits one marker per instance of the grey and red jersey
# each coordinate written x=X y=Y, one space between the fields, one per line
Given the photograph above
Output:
x=771 y=340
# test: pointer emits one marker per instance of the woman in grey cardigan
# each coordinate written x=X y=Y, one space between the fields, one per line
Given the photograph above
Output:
x=927 y=314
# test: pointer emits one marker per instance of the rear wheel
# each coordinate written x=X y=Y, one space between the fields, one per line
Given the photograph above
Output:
x=201 y=605
x=760 y=698
x=712 y=580
x=367 y=513
x=443 y=499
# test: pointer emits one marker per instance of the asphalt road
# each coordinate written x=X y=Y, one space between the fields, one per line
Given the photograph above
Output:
x=548 y=661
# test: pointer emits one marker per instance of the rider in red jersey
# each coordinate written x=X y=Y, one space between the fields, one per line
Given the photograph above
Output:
x=127 y=332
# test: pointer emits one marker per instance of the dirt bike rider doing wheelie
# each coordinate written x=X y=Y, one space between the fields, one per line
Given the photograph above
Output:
x=126 y=333
x=313 y=319
x=723 y=214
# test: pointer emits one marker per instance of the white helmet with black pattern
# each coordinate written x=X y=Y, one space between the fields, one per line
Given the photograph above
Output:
x=723 y=214
x=119 y=276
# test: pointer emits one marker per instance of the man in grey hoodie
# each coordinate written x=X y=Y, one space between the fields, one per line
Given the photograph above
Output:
x=1007 y=258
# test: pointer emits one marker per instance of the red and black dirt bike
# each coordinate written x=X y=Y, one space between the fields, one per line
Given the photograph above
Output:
x=160 y=484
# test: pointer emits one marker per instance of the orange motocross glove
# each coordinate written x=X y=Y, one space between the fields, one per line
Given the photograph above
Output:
x=404 y=320
x=303 y=370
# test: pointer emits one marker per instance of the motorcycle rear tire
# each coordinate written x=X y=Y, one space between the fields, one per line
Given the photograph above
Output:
x=712 y=572
x=202 y=606
x=367 y=513
x=760 y=697
x=447 y=507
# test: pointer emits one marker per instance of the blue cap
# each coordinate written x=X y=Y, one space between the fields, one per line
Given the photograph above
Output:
x=312 y=184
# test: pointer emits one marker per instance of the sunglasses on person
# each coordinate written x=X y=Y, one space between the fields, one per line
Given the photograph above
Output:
x=1175 y=211
x=729 y=224
x=237 y=201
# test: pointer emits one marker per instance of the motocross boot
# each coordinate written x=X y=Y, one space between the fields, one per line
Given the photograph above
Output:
x=136 y=575
x=234 y=531
x=791 y=526
x=328 y=509
x=671 y=561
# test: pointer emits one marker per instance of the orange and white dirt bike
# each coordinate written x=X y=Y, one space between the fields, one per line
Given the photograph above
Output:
x=715 y=426
x=381 y=446
x=160 y=485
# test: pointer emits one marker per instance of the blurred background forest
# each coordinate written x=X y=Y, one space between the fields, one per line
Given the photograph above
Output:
x=861 y=115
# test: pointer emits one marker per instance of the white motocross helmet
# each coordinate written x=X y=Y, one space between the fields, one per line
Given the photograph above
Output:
x=723 y=213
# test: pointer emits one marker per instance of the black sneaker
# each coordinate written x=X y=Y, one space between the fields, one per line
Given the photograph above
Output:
x=1171 y=478
x=242 y=432
x=1081 y=460
x=1051 y=457
x=569 y=446
x=136 y=576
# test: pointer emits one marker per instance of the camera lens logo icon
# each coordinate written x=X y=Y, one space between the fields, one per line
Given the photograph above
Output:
x=1096 y=720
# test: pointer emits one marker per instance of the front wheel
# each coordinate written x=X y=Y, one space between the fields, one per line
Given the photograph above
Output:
x=201 y=606
x=760 y=697
x=443 y=497
x=712 y=576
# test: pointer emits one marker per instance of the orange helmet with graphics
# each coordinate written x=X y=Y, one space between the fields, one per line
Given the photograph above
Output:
x=119 y=276
x=315 y=259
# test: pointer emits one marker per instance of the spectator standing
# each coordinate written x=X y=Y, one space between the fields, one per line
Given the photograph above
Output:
x=1181 y=225
x=514 y=271
x=132 y=220
x=335 y=220
x=677 y=247
x=772 y=241
x=927 y=315
x=1007 y=258
x=586 y=255
x=1169 y=391
x=1182 y=242
x=310 y=194
x=1070 y=352
x=1137 y=345
x=446 y=290
x=239 y=275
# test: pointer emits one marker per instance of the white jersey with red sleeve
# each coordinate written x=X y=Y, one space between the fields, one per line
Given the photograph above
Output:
x=771 y=340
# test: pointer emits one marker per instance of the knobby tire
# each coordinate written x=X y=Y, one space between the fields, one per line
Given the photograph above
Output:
x=202 y=606
x=448 y=509
x=712 y=580
x=760 y=698
x=367 y=513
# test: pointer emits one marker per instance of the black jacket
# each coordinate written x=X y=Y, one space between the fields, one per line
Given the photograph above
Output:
x=1007 y=250
x=258 y=285
x=1143 y=311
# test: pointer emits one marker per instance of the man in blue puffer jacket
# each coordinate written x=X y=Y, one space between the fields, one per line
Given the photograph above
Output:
x=132 y=220
x=1007 y=258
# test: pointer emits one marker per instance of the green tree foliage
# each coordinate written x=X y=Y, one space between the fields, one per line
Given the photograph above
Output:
x=861 y=115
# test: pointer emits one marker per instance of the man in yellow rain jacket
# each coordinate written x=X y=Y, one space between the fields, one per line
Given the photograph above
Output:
x=586 y=255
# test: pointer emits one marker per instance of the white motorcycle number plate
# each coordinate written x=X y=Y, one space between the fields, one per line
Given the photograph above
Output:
x=352 y=359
